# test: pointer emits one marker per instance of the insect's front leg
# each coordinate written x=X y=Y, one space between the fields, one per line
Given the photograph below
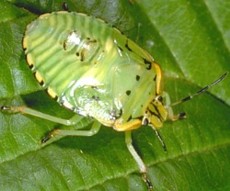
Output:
x=137 y=158
x=171 y=115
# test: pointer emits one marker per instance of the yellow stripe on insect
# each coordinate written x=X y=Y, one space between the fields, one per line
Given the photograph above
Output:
x=159 y=77
x=24 y=43
x=38 y=77
x=44 y=15
x=30 y=60
x=51 y=93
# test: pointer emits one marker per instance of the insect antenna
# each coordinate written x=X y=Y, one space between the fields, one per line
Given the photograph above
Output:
x=202 y=90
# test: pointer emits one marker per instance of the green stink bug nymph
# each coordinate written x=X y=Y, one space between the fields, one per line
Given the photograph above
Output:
x=95 y=71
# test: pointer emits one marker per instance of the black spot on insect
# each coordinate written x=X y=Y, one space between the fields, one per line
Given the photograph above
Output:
x=128 y=92
x=127 y=45
x=138 y=77
x=90 y=41
x=96 y=98
x=148 y=64
x=42 y=83
x=64 y=45
x=94 y=87
x=31 y=66
x=130 y=117
x=155 y=77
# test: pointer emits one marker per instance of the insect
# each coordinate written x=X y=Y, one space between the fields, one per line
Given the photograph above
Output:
x=98 y=73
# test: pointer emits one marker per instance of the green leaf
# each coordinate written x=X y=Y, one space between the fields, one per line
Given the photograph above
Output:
x=190 y=40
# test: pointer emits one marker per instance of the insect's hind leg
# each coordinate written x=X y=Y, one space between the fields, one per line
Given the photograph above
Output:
x=76 y=121
x=60 y=133
x=35 y=113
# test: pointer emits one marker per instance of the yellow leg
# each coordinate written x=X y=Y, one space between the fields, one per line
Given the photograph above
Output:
x=131 y=125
